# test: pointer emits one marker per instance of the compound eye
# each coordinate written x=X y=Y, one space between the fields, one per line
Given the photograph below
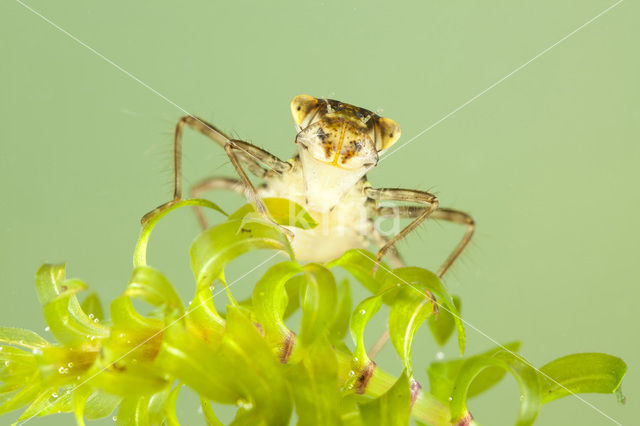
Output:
x=301 y=107
x=387 y=133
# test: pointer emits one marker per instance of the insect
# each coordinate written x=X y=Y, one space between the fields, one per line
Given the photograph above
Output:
x=338 y=144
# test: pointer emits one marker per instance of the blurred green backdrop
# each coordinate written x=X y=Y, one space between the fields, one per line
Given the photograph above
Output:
x=546 y=161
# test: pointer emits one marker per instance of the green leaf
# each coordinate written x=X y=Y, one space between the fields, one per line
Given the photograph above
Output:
x=16 y=366
x=239 y=370
x=282 y=211
x=443 y=324
x=410 y=308
x=392 y=408
x=78 y=401
x=21 y=337
x=169 y=407
x=359 y=320
x=203 y=318
x=92 y=307
x=20 y=397
x=315 y=386
x=420 y=278
x=217 y=246
x=209 y=415
x=133 y=411
x=581 y=373
x=132 y=334
x=340 y=322
x=151 y=286
x=443 y=374
x=140 y=252
x=319 y=300
x=269 y=303
x=49 y=401
x=359 y=263
x=100 y=404
x=69 y=324
x=525 y=375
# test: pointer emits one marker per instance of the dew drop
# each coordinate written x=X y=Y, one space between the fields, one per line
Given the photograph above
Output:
x=92 y=338
x=63 y=370
x=96 y=320
x=70 y=365
x=362 y=312
x=54 y=395
x=90 y=316
x=47 y=328
x=36 y=351
x=450 y=399
x=439 y=355
x=6 y=363
x=114 y=418
x=244 y=404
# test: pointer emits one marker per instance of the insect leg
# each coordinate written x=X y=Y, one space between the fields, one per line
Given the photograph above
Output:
x=210 y=184
x=450 y=215
x=240 y=153
x=380 y=240
x=408 y=195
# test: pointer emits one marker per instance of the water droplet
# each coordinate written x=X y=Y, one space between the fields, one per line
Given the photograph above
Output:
x=90 y=316
x=439 y=355
x=114 y=418
x=189 y=302
x=200 y=409
x=6 y=363
x=47 y=328
x=450 y=399
x=244 y=404
x=121 y=335
x=92 y=338
x=96 y=320
x=54 y=395
x=63 y=370
x=36 y=351
x=70 y=365
x=362 y=312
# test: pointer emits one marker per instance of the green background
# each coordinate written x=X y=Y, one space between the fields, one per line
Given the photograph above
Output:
x=546 y=161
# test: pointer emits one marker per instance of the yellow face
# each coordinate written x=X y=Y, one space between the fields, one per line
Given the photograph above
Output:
x=341 y=135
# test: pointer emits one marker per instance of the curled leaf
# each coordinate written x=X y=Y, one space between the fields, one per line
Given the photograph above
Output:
x=282 y=211
x=140 y=252
x=409 y=309
x=443 y=324
x=69 y=324
x=269 y=303
x=443 y=374
x=422 y=279
x=217 y=246
x=581 y=373
x=319 y=299
x=525 y=375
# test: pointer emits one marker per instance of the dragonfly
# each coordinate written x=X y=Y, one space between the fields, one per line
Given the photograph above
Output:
x=337 y=145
